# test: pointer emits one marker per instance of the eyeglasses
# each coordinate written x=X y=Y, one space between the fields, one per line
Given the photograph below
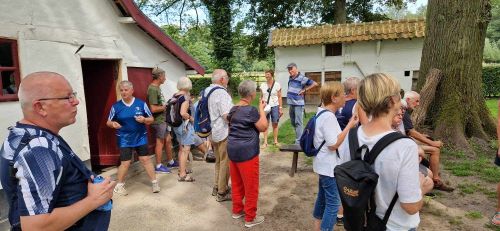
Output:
x=71 y=98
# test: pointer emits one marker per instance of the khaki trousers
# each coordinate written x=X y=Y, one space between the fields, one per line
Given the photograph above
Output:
x=221 y=166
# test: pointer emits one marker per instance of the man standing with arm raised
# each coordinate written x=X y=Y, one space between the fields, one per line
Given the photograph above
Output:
x=298 y=84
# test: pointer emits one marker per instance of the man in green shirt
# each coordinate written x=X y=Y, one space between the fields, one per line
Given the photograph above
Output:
x=160 y=127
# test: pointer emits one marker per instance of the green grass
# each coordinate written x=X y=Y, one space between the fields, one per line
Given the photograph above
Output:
x=286 y=134
x=492 y=105
x=479 y=164
x=474 y=215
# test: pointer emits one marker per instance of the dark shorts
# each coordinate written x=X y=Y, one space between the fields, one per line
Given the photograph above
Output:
x=274 y=114
x=161 y=130
x=127 y=153
x=422 y=169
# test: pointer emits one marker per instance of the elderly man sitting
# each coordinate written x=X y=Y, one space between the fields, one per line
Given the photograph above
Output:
x=431 y=147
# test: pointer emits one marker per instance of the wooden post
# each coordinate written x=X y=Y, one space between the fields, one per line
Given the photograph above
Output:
x=294 y=164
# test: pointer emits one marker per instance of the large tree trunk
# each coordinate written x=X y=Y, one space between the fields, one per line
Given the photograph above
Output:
x=454 y=43
x=340 y=12
x=220 y=29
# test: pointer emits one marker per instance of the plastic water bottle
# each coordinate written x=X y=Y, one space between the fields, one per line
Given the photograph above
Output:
x=108 y=205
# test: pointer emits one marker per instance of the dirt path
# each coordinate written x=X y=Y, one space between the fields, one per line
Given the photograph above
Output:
x=286 y=202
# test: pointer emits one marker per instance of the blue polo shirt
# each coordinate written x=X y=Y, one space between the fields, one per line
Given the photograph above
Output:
x=295 y=85
x=132 y=133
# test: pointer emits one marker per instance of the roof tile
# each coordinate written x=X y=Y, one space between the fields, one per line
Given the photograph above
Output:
x=391 y=29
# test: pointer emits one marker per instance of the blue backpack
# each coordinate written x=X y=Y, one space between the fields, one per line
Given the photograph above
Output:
x=202 y=125
x=307 y=138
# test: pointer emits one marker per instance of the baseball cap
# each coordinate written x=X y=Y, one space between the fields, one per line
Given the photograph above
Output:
x=290 y=65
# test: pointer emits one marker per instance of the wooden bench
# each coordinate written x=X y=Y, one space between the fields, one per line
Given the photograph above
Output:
x=295 y=148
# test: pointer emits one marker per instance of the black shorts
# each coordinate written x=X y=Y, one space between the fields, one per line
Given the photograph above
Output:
x=127 y=153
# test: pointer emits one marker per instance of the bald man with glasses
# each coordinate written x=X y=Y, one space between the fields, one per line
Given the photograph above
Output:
x=47 y=186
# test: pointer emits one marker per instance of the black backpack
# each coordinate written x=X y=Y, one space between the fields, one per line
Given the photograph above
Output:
x=356 y=181
x=173 y=111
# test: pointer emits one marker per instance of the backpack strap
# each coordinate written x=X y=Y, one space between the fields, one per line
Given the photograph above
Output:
x=381 y=144
x=354 y=143
x=212 y=90
x=373 y=154
x=324 y=141
x=389 y=210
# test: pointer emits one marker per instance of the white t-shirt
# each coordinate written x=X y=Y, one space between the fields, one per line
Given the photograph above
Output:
x=397 y=166
x=327 y=129
x=273 y=101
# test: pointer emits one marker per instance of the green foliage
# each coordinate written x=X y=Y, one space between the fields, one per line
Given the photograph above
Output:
x=196 y=41
x=200 y=83
x=491 y=80
x=493 y=31
x=491 y=52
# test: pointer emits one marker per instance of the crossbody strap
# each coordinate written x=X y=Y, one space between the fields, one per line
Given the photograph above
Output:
x=269 y=92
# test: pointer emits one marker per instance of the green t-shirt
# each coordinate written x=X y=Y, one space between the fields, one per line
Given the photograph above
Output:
x=155 y=97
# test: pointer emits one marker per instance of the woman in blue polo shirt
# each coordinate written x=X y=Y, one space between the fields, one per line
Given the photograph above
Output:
x=129 y=117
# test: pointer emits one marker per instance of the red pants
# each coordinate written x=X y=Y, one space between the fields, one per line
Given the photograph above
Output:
x=245 y=184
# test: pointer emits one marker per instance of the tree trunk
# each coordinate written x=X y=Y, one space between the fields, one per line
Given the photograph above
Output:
x=220 y=31
x=340 y=13
x=427 y=95
x=454 y=43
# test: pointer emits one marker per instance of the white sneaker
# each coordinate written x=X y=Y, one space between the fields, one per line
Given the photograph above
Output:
x=120 y=190
x=257 y=220
x=238 y=215
x=156 y=187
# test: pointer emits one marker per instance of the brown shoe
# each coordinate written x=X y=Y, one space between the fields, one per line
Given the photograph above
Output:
x=439 y=185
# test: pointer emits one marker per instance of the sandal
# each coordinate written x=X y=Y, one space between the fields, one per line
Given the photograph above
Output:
x=186 y=178
x=495 y=220
x=189 y=171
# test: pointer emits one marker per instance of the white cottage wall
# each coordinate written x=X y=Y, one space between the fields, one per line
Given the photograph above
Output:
x=358 y=59
x=48 y=33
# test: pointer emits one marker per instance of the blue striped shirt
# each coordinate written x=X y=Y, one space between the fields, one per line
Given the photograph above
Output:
x=41 y=165
x=295 y=85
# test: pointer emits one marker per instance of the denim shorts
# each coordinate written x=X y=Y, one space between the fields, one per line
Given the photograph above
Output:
x=161 y=130
x=274 y=114
x=185 y=134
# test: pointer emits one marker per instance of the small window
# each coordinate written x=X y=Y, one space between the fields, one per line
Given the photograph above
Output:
x=334 y=49
x=407 y=73
x=9 y=70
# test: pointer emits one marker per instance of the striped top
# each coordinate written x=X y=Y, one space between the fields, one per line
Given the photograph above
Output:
x=42 y=165
x=295 y=85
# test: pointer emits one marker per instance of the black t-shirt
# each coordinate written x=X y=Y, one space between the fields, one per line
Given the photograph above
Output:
x=407 y=123
x=243 y=139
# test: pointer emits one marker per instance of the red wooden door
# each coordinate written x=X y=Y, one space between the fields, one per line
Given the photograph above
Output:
x=99 y=81
x=141 y=78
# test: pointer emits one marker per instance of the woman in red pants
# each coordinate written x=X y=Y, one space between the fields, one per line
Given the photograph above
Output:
x=245 y=123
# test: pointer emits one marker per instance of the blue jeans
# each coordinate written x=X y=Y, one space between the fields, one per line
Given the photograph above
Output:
x=328 y=203
x=297 y=119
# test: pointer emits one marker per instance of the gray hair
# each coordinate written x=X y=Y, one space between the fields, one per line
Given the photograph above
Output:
x=218 y=74
x=157 y=72
x=184 y=83
x=411 y=95
x=246 y=88
x=126 y=83
x=350 y=84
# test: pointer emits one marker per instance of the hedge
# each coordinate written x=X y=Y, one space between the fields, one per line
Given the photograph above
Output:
x=491 y=80
x=200 y=83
